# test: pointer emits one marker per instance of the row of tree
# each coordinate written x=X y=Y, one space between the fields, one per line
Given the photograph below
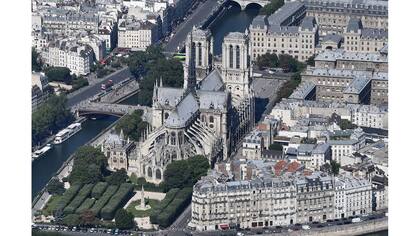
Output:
x=271 y=7
x=50 y=117
x=283 y=61
x=152 y=65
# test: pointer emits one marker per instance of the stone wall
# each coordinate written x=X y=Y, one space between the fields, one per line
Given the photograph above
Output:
x=343 y=230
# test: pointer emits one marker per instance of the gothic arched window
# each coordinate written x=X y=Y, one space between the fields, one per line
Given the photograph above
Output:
x=158 y=174
x=149 y=172
x=200 y=55
x=230 y=56
x=173 y=138
x=238 y=57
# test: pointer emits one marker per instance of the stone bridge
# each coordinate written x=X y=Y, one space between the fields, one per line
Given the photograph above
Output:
x=94 y=108
x=245 y=3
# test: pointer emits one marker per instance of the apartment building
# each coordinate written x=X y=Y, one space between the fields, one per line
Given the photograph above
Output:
x=69 y=53
x=345 y=60
x=353 y=196
x=274 y=194
x=357 y=38
x=137 y=35
x=273 y=34
x=333 y=15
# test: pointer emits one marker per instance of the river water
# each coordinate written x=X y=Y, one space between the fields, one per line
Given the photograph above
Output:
x=46 y=166
x=234 y=20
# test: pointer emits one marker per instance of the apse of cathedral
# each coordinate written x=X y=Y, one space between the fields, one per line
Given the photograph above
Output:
x=208 y=116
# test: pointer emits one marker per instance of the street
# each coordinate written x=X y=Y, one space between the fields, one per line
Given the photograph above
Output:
x=86 y=92
x=201 y=13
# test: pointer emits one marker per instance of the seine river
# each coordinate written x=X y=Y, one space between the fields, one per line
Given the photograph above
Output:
x=44 y=168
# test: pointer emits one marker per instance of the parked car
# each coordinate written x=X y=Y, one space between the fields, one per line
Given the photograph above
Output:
x=306 y=227
x=356 y=220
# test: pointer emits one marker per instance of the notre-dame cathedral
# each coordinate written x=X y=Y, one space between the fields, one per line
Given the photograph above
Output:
x=208 y=116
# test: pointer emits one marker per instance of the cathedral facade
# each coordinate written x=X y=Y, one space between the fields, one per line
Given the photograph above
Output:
x=208 y=116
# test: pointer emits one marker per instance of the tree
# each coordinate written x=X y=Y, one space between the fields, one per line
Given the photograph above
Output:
x=271 y=7
x=267 y=60
x=87 y=217
x=72 y=220
x=276 y=146
x=55 y=187
x=132 y=125
x=89 y=165
x=335 y=167
x=311 y=60
x=50 y=117
x=308 y=140
x=153 y=65
x=185 y=173
x=346 y=124
x=124 y=219
x=118 y=177
x=36 y=62
x=59 y=74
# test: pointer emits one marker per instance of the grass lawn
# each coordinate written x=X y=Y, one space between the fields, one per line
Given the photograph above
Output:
x=131 y=208
x=51 y=205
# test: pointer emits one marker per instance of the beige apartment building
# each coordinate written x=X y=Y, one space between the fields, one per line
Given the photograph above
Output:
x=333 y=16
x=357 y=38
x=297 y=41
x=69 y=53
x=286 y=31
x=136 y=34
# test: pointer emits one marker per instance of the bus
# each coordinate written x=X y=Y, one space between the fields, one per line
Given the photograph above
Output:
x=179 y=56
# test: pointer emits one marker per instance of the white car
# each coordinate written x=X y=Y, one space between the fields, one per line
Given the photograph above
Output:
x=306 y=227
x=356 y=220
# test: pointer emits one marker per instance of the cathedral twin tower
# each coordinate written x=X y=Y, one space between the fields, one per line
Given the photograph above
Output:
x=208 y=116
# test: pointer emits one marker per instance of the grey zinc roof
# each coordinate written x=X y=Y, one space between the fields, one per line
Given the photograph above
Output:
x=212 y=100
x=169 y=96
x=354 y=25
x=308 y=23
x=305 y=148
x=183 y=112
x=357 y=85
x=374 y=33
x=212 y=82
x=333 y=38
x=259 y=21
x=303 y=90
x=235 y=35
x=340 y=54
x=277 y=29
x=284 y=12
x=321 y=148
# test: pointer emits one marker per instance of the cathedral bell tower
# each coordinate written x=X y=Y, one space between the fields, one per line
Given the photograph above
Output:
x=236 y=65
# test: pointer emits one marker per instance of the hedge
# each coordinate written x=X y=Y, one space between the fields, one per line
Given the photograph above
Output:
x=169 y=213
x=88 y=203
x=68 y=195
x=78 y=200
x=99 y=189
x=100 y=203
x=117 y=201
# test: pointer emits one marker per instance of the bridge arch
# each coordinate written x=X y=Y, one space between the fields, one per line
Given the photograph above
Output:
x=243 y=4
x=93 y=113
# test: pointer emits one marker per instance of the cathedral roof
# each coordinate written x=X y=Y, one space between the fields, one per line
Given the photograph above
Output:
x=212 y=99
x=183 y=112
x=212 y=82
x=169 y=96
